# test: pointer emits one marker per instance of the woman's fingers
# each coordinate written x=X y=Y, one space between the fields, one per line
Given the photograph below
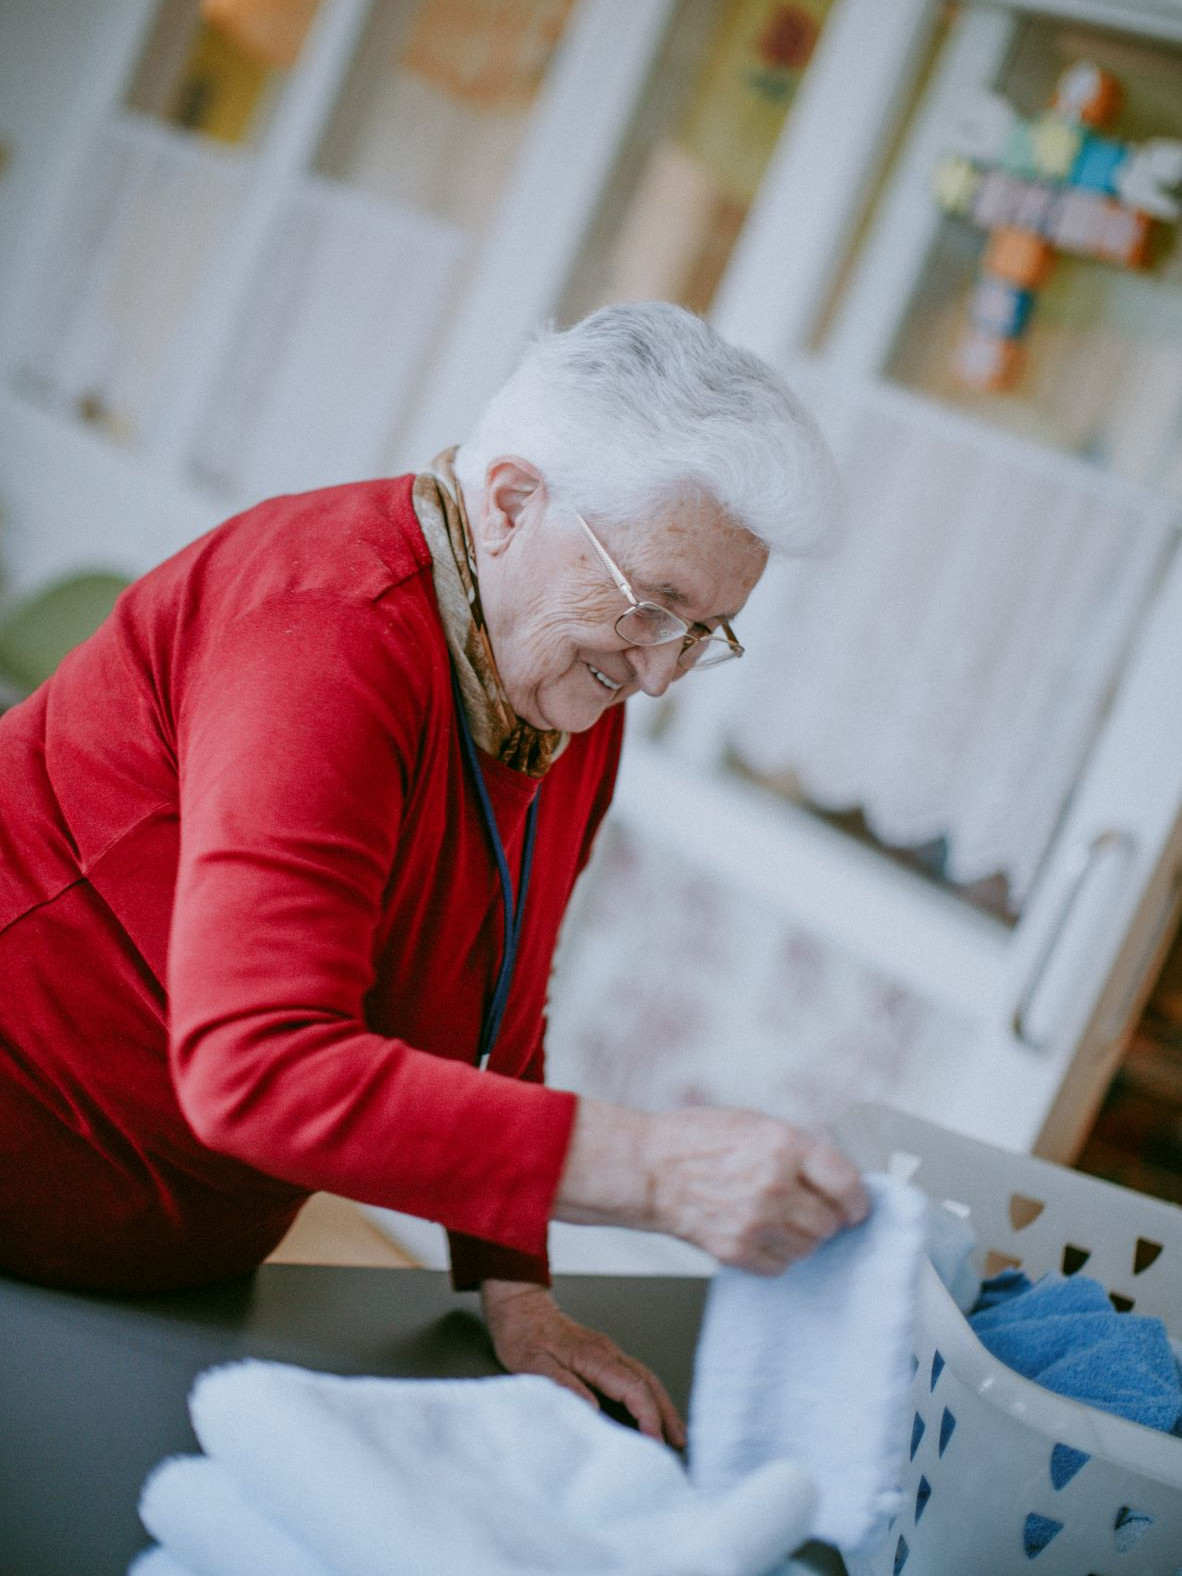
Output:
x=623 y=1379
x=550 y=1368
x=836 y=1179
x=672 y=1424
x=812 y=1217
x=768 y=1252
x=753 y=1191
x=618 y=1383
x=532 y=1335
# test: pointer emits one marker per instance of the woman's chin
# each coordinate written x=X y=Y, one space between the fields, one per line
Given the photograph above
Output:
x=574 y=719
x=568 y=709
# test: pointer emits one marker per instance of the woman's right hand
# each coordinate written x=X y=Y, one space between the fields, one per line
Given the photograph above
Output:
x=752 y=1191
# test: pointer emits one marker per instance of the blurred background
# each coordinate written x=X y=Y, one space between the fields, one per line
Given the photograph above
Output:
x=924 y=845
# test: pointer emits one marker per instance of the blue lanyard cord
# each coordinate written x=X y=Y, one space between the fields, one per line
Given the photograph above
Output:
x=514 y=915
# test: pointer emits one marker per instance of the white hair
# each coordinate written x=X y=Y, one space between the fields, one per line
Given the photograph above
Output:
x=638 y=403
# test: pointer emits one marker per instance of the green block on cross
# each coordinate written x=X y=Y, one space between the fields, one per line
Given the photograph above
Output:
x=1055 y=144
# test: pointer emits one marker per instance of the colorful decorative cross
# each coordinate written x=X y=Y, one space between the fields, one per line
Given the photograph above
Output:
x=1042 y=187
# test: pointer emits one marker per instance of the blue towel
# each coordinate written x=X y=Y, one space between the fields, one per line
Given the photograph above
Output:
x=1065 y=1335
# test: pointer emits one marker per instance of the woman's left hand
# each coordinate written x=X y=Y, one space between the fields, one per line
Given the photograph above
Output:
x=531 y=1335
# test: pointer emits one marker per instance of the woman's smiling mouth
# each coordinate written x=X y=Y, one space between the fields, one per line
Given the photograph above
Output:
x=608 y=684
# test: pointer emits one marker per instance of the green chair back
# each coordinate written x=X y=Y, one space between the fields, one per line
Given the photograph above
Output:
x=37 y=633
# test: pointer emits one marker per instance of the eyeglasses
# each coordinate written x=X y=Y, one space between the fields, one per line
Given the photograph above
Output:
x=650 y=624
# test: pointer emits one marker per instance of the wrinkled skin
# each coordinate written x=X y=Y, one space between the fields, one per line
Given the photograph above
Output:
x=551 y=606
x=531 y=1334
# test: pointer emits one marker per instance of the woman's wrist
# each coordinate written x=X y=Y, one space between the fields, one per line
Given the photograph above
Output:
x=497 y=1294
x=608 y=1179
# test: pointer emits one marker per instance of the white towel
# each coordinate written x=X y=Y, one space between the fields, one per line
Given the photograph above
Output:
x=814 y=1366
x=312 y=1475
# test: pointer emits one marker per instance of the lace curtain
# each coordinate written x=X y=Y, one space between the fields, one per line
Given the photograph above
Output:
x=946 y=670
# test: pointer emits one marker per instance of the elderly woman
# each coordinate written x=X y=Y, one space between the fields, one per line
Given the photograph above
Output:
x=285 y=848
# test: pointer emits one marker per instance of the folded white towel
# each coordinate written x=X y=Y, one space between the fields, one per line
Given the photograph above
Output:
x=815 y=1366
x=312 y=1475
x=206 y=1522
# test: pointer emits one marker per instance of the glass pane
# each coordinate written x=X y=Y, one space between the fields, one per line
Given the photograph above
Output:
x=368 y=253
x=153 y=197
x=437 y=101
x=216 y=66
x=710 y=117
x=1050 y=300
x=941 y=685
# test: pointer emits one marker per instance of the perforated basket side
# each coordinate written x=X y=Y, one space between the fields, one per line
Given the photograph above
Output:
x=988 y=1490
x=1002 y=1472
x=1034 y=1214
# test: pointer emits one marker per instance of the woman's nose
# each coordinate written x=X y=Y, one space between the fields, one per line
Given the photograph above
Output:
x=656 y=666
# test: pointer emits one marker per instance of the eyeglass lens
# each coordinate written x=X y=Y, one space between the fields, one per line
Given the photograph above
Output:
x=707 y=653
x=650 y=625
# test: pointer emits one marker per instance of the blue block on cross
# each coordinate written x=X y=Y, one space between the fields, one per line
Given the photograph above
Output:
x=1099 y=164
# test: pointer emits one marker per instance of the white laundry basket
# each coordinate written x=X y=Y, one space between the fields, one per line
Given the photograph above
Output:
x=996 y=1483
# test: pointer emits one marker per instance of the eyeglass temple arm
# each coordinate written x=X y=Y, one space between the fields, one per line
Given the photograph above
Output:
x=732 y=639
x=621 y=584
x=712 y=634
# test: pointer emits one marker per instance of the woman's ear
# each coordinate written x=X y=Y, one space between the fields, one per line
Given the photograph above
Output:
x=509 y=485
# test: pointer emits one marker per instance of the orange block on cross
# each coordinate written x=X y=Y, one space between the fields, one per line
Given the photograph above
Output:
x=1042 y=188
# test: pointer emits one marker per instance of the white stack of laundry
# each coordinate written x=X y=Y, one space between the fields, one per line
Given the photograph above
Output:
x=797 y=1427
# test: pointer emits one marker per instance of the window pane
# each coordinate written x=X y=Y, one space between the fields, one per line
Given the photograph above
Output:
x=937 y=684
x=435 y=106
x=710 y=117
x=370 y=250
x=216 y=66
x=154 y=196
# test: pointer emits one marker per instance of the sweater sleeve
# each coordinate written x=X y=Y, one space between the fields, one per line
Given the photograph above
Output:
x=474 y=1260
x=297 y=733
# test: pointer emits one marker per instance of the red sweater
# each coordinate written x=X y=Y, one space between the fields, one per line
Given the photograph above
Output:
x=250 y=918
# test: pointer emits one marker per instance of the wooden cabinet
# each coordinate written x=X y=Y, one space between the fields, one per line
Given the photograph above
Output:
x=256 y=272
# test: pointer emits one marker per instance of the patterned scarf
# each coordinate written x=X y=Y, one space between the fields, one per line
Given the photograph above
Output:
x=496 y=727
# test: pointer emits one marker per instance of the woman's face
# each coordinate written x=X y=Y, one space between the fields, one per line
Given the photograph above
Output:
x=551 y=605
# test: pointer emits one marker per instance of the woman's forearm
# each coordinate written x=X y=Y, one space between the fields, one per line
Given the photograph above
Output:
x=753 y=1191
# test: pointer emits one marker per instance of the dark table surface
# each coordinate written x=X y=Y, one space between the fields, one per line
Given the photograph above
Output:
x=93 y=1390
